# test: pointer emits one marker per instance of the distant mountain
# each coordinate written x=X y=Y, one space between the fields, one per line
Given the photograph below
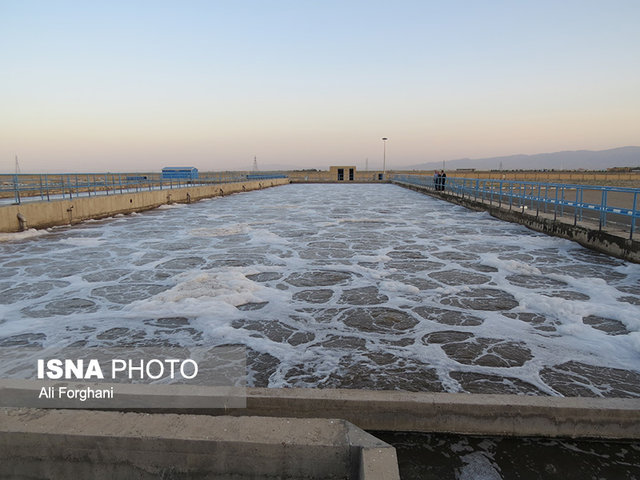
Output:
x=569 y=160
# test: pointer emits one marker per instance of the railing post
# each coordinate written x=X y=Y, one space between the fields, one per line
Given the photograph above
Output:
x=546 y=197
x=581 y=203
x=575 y=209
x=603 y=208
x=633 y=215
x=510 y=195
x=46 y=184
x=532 y=196
x=16 y=190
x=522 y=192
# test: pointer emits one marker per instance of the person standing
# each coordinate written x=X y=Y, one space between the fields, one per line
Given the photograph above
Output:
x=436 y=176
x=443 y=179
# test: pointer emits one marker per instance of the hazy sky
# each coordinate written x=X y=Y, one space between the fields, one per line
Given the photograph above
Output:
x=137 y=85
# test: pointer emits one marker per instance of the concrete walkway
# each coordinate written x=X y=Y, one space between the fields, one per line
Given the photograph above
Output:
x=62 y=444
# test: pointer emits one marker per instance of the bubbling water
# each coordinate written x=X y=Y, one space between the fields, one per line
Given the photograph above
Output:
x=349 y=286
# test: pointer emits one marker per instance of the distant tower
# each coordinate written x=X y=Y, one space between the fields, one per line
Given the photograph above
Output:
x=500 y=166
x=255 y=164
x=17 y=166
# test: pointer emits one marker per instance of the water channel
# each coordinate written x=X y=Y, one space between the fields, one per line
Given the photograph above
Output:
x=350 y=286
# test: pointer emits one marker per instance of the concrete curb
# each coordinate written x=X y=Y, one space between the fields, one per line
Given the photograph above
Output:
x=476 y=414
x=505 y=415
x=94 y=444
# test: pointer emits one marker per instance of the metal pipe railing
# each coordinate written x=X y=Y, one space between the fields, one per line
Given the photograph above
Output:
x=48 y=187
x=589 y=202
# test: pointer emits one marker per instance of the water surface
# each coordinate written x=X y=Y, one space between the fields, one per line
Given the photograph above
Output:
x=349 y=286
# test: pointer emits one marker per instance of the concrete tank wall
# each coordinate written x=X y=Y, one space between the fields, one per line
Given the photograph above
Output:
x=379 y=410
x=65 y=212
x=461 y=413
x=104 y=445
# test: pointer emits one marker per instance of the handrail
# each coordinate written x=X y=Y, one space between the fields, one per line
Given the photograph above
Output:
x=564 y=198
x=47 y=187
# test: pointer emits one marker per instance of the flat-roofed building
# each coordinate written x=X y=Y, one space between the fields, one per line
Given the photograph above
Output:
x=342 y=173
x=190 y=173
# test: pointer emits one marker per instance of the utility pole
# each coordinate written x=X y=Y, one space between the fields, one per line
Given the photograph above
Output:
x=255 y=164
x=384 y=155
x=16 y=187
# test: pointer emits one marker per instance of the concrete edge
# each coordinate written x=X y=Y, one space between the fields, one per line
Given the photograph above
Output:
x=592 y=238
x=475 y=414
x=372 y=459
x=97 y=443
x=376 y=410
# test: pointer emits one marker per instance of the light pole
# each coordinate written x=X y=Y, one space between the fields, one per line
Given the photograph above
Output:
x=384 y=155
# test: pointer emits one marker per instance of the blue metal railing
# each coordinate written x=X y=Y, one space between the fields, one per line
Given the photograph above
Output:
x=17 y=188
x=605 y=205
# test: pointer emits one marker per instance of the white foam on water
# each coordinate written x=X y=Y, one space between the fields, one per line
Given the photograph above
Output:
x=206 y=291
x=398 y=287
x=30 y=233
x=478 y=467
x=371 y=258
x=172 y=206
x=267 y=237
x=238 y=271
x=511 y=266
x=234 y=229
x=633 y=339
x=82 y=241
